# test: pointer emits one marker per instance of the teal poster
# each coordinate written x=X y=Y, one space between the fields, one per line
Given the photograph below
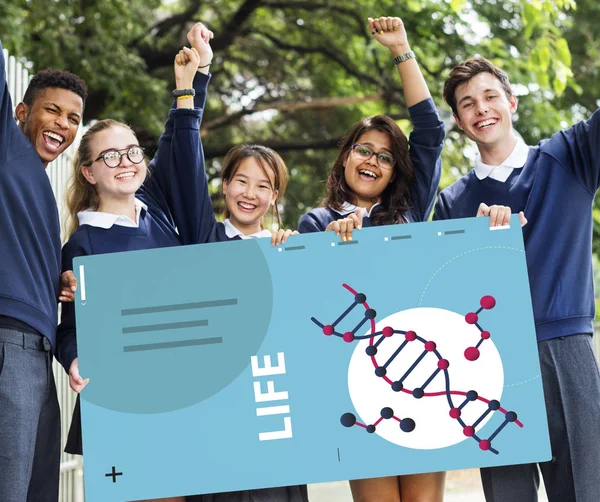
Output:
x=239 y=365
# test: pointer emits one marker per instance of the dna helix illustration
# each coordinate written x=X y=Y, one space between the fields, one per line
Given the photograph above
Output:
x=457 y=400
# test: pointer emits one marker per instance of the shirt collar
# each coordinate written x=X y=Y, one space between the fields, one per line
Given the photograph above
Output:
x=106 y=220
x=348 y=208
x=515 y=160
x=232 y=232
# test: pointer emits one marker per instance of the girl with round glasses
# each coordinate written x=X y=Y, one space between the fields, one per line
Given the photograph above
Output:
x=113 y=158
x=380 y=178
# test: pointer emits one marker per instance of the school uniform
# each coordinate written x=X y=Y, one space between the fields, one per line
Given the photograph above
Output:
x=554 y=183
x=176 y=179
x=29 y=289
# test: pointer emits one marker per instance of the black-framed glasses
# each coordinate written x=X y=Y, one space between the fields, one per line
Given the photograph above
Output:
x=113 y=158
x=363 y=152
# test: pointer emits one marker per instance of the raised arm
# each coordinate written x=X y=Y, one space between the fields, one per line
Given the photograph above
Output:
x=8 y=127
x=178 y=178
x=427 y=138
x=390 y=32
x=578 y=150
x=191 y=203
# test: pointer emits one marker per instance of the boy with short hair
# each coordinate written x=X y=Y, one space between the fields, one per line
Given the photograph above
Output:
x=30 y=251
x=554 y=183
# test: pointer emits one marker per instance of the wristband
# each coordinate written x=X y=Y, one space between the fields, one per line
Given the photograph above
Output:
x=403 y=57
x=184 y=92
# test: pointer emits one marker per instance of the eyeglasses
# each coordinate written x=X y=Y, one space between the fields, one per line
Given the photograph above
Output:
x=363 y=152
x=113 y=158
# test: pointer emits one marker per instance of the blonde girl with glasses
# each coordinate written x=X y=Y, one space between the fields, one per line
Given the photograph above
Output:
x=117 y=202
x=381 y=178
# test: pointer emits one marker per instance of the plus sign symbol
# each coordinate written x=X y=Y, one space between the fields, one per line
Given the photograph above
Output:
x=113 y=474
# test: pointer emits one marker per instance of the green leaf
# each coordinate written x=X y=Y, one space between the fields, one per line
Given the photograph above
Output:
x=562 y=51
x=542 y=79
x=545 y=57
x=457 y=5
x=559 y=85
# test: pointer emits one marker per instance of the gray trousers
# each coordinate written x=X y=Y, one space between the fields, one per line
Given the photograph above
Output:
x=571 y=381
x=29 y=419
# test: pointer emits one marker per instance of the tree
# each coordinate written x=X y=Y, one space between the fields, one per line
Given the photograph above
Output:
x=295 y=74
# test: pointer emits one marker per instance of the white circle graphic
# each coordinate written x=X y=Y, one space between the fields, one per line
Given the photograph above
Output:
x=434 y=427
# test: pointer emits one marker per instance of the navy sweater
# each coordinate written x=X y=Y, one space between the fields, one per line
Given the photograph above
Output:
x=176 y=183
x=425 y=147
x=29 y=228
x=556 y=190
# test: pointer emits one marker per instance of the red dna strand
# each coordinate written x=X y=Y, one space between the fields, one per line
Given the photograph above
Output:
x=407 y=424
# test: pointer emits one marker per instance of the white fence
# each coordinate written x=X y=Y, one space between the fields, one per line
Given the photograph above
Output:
x=71 y=477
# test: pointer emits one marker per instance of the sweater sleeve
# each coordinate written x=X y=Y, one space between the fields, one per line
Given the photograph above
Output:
x=310 y=223
x=178 y=173
x=441 y=211
x=425 y=147
x=579 y=147
x=66 y=340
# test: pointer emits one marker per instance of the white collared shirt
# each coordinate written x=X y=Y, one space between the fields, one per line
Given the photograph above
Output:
x=232 y=232
x=501 y=172
x=348 y=208
x=107 y=220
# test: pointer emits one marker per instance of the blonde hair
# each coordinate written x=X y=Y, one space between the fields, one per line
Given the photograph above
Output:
x=266 y=159
x=81 y=194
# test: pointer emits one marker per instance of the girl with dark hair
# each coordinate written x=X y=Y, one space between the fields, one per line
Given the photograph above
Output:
x=381 y=178
x=253 y=178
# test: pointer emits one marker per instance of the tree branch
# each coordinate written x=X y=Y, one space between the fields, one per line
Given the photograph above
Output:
x=161 y=28
x=312 y=6
x=232 y=29
x=325 y=52
x=315 y=104
x=159 y=59
x=211 y=152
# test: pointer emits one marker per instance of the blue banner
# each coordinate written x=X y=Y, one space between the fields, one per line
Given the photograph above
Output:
x=238 y=365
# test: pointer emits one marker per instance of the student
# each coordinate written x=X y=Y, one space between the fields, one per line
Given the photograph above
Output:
x=253 y=178
x=119 y=209
x=380 y=178
x=554 y=183
x=47 y=123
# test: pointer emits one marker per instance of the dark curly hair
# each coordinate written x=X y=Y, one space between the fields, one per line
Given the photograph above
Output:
x=395 y=199
x=47 y=79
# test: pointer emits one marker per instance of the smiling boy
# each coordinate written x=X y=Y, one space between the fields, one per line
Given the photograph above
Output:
x=30 y=248
x=554 y=183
